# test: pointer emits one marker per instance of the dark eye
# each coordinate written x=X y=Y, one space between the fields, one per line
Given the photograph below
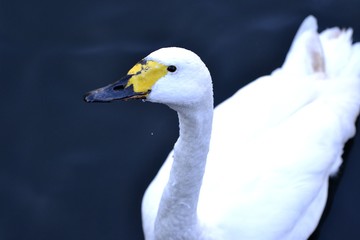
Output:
x=171 y=68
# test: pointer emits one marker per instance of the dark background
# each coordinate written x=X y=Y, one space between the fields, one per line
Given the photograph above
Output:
x=70 y=170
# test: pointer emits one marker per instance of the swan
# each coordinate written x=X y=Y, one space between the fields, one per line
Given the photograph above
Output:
x=256 y=167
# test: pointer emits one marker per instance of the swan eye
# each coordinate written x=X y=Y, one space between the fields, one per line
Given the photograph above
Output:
x=171 y=68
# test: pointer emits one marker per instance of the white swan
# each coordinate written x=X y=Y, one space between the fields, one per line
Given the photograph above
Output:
x=264 y=173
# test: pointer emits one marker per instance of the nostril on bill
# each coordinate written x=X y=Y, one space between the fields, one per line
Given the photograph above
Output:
x=118 y=88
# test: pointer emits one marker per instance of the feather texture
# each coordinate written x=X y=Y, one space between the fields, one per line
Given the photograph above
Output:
x=273 y=147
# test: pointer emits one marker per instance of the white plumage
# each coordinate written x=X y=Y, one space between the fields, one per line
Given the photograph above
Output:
x=274 y=144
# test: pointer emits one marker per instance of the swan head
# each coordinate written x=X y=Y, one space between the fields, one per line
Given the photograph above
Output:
x=173 y=76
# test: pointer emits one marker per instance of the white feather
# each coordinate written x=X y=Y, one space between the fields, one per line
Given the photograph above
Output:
x=273 y=147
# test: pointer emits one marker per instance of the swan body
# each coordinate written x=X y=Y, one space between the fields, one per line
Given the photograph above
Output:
x=257 y=167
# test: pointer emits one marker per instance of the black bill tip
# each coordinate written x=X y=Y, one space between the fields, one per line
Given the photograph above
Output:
x=88 y=98
x=94 y=96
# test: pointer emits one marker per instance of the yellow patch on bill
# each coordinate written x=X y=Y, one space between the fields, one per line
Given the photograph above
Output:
x=145 y=74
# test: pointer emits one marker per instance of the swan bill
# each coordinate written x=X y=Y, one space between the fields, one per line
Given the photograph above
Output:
x=115 y=91
x=136 y=84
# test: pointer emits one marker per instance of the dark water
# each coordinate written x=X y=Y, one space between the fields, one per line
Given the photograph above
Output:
x=71 y=170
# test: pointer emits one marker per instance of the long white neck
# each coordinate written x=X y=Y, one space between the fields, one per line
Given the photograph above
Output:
x=177 y=214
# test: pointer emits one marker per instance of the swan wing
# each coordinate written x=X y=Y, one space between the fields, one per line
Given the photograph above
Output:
x=271 y=182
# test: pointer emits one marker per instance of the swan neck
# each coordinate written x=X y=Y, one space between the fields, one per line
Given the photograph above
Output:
x=178 y=205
